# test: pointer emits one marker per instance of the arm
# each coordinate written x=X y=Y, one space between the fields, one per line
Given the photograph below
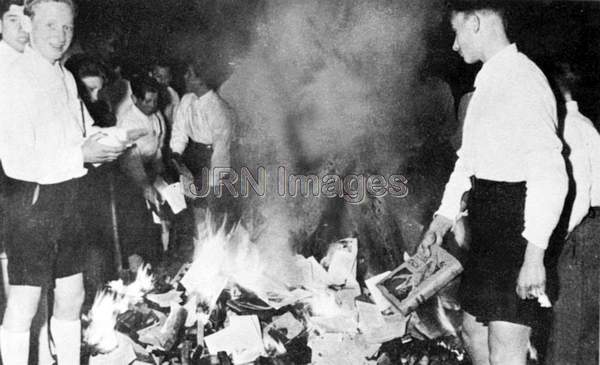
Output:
x=221 y=119
x=546 y=181
x=182 y=116
x=450 y=207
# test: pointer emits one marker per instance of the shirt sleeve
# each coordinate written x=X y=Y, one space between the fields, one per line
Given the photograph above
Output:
x=182 y=117
x=458 y=184
x=545 y=173
x=220 y=119
x=592 y=138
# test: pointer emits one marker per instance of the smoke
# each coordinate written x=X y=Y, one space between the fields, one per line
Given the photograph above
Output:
x=325 y=88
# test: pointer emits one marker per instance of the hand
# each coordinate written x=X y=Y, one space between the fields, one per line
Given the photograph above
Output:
x=96 y=152
x=187 y=182
x=434 y=234
x=152 y=196
x=531 y=282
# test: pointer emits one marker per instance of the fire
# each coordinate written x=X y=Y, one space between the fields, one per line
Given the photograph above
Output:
x=109 y=303
x=101 y=332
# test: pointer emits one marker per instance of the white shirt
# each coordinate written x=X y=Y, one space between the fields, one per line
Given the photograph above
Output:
x=170 y=108
x=206 y=119
x=150 y=144
x=584 y=145
x=510 y=135
x=41 y=121
x=7 y=55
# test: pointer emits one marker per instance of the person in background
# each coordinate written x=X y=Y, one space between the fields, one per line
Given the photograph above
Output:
x=14 y=38
x=168 y=97
x=142 y=165
x=13 y=42
x=510 y=160
x=201 y=136
x=574 y=338
x=91 y=77
x=97 y=199
x=38 y=97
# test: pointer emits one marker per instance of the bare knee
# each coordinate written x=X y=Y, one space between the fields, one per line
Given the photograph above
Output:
x=21 y=307
x=69 y=295
x=475 y=337
x=508 y=343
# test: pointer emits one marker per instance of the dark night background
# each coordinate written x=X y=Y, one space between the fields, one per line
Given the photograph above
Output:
x=219 y=31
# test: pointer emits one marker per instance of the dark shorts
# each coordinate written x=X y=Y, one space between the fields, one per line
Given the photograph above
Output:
x=44 y=240
x=496 y=218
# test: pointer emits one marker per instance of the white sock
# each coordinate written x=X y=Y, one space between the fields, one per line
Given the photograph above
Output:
x=14 y=347
x=67 y=339
x=44 y=355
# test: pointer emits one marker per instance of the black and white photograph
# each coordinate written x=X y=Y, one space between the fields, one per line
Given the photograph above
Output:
x=290 y=182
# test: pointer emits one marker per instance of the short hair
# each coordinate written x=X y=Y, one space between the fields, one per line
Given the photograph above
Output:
x=31 y=4
x=469 y=7
x=142 y=84
x=6 y=4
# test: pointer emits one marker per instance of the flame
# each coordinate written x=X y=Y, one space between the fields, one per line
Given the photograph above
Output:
x=109 y=303
x=223 y=260
x=101 y=332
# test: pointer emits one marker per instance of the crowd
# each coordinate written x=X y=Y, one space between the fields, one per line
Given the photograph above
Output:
x=84 y=146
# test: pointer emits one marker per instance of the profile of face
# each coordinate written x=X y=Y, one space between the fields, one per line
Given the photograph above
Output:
x=148 y=105
x=465 y=28
x=51 y=29
x=162 y=75
x=12 y=30
x=193 y=83
x=93 y=85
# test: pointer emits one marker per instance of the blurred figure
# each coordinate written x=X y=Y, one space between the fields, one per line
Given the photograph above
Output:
x=168 y=97
x=97 y=201
x=91 y=77
x=574 y=338
x=142 y=165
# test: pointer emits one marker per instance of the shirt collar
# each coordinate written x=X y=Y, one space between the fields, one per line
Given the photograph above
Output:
x=140 y=114
x=572 y=106
x=490 y=67
x=41 y=63
x=5 y=48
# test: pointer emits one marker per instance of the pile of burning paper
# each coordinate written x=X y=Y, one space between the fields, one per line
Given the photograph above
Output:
x=225 y=308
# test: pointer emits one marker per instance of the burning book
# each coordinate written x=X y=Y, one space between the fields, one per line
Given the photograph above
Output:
x=419 y=278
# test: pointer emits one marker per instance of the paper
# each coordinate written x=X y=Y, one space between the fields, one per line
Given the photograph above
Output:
x=164 y=300
x=341 y=261
x=172 y=194
x=242 y=339
x=288 y=325
x=382 y=303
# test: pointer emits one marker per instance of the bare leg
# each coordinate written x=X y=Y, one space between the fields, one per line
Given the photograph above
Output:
x=65 y=324
x=475 y=337
x=14 y=335
x=508 y=343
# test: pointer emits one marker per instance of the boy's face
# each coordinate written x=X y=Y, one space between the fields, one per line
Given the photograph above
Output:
x=12 y=30
x=148 y=105
x=52 y=29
